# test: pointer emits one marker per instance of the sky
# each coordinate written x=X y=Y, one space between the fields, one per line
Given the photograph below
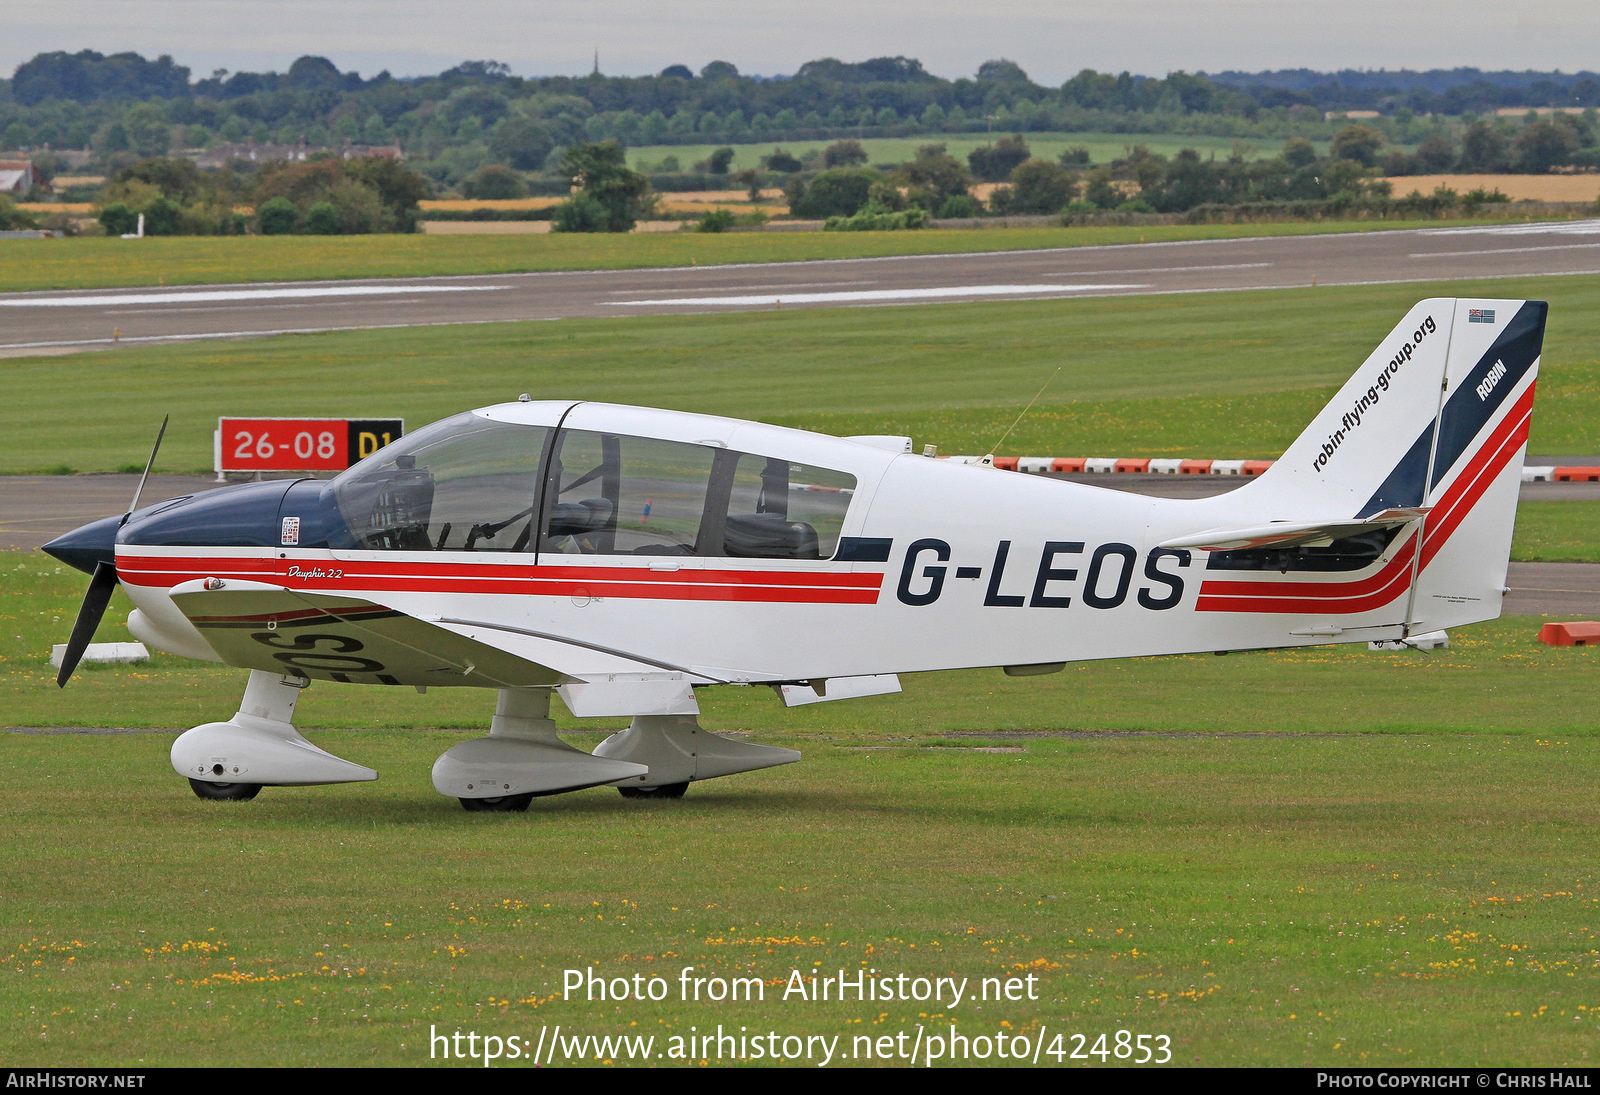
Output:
x=1050 y=39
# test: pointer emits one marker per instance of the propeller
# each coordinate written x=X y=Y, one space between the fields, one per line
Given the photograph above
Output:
x=102 y=583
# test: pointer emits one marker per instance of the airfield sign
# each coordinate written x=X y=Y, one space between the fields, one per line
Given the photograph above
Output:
x=300 y=444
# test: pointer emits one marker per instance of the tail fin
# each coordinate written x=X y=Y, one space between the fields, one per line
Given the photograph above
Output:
x=1437 y=418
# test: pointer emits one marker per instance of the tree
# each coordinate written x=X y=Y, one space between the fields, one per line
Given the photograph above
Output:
x=87 y=76
x=682 y=72
x=1436 y=153
x=836 y=193
x=162 y=217
x=360 y=207
x=277 y=216
x=719 y=70
x=845 y=153
x=750 y=179
x=717 y=163
x=1037 y=186
x=716 y=220
x=600 y=171
x=1541 y=145
x=116 y=219
x=960 y=207
x=1101 y=190
x=315 y=74
x=1483 y=148
x=1359 y=143
x=521 y=142
x=494 y=182
x=398 y=187
x=147 y=129
x=783 y=161
x=1002 y=71
x=177 y=178
x=322 y=219
x=992 y=163
x=581 y=213
x=1299 y=152
x=934 y=176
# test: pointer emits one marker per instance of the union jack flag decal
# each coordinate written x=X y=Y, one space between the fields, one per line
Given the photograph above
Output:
x=1480 y=315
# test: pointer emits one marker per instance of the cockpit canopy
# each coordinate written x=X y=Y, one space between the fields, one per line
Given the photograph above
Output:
x=470 y=483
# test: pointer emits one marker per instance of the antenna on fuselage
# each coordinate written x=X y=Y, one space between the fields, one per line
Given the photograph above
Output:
x=988 y=459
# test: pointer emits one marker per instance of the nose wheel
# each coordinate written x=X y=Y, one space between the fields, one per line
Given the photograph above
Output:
x=225 y=792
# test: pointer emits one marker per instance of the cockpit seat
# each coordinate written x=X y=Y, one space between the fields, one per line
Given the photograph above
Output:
x=769 y=536
x=579 y=518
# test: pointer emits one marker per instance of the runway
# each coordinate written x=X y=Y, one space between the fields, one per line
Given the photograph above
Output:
x=35 y=509
x=65 y=322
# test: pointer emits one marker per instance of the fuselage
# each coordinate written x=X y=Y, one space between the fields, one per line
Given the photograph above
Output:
x=753 y=553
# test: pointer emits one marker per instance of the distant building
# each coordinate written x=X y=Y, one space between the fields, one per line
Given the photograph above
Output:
x=16 y=178
x=219 y=155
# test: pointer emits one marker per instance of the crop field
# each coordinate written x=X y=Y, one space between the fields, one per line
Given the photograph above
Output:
x=1103 y=147
x=92 y=263
x=1314 y=857
x=1536 y=188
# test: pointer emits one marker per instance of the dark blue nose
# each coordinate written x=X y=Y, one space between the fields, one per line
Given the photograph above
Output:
x=83 y=547
x=245 y=515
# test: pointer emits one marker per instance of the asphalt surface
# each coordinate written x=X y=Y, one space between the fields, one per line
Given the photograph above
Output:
x=37 y=508
x=64 y=322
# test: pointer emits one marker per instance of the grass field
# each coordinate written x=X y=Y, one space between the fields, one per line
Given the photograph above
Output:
x=92 y=263
x=1103 y=147
x=1240 y=374
x=1259 y=900
x=1558 y=532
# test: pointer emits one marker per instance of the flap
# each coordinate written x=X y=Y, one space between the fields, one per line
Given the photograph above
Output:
x=838 y=688
x=1286 y=534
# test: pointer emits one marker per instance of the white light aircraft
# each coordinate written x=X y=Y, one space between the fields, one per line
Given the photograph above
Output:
x=624 y=557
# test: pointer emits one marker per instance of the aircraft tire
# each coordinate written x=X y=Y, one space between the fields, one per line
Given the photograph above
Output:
x=225 y=792
x=503 y=804
x=665 y=790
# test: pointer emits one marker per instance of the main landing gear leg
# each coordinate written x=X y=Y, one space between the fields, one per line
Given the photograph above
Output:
x=258 y=747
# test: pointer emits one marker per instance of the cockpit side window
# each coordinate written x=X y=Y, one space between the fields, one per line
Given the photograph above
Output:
x=614 y=494
x=611 y=494
x=463 y=484
x=782 y=510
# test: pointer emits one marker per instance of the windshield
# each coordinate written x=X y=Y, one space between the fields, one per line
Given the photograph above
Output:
x=463 y=484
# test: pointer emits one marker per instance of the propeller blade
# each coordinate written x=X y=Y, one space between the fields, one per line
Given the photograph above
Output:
x=104 y=581
x=148 y=465
x=94 y=607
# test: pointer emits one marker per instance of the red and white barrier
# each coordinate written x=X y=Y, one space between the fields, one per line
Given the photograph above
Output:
x=1103 y=465
x=1543 y=474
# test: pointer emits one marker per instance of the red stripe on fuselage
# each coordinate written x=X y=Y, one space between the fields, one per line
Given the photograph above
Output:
x=1377 y=590
x=369 y=575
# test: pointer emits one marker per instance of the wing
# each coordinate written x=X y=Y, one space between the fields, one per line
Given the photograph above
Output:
x=256 y=625
x=1286 y=534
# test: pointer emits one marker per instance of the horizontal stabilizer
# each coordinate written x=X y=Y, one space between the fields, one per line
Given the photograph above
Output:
x=1287 y=534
